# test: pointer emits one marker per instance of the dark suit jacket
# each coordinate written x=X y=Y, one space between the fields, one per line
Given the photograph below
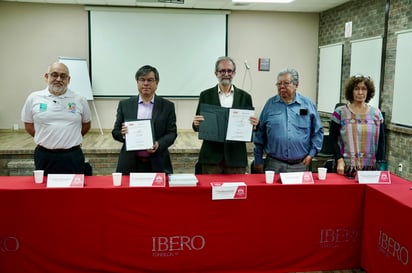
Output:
x=163 y=128
x=233 y=153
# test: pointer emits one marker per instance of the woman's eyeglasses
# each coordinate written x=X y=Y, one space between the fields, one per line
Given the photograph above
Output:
x=361 y=76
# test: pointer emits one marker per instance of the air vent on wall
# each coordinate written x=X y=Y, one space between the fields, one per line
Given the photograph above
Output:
x=147 y=1
x=161 y=1
x=173 y=1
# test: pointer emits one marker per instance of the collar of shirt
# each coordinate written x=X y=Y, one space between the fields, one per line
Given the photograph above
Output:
x=296 y=99
x=226 y=99
x=67 y=94
x=144 y=111
x=141 y=101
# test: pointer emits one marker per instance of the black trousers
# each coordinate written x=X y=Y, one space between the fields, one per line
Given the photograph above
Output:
x=69 y=161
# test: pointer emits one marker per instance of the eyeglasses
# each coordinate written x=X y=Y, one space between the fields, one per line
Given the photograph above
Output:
x=56 y=75
x=285 y=83
x=143 y=80
x=224 y=71
x=361 y=76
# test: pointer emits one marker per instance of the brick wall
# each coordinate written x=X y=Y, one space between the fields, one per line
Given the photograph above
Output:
x=102 y=163
x=368 y=20
x=20 y=159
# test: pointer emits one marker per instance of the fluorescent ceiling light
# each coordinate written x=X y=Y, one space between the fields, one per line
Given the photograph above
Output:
x=262 y=1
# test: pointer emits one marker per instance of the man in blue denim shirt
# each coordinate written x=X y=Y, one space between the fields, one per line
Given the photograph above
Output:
x=290 y=132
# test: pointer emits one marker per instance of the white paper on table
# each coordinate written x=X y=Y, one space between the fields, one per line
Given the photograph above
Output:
x=228 y=190
x=239 y=127
x=374 y=177
x=139 y=135
x=297 y=178
x=65 y=181
x=147 y=180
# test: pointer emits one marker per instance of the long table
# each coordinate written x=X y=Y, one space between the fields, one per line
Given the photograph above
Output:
x=101 y=228
x=387 y=231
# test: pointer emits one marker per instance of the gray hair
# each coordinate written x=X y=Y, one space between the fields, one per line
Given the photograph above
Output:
x=224 y=58
x=146 y=69
x=293 y=72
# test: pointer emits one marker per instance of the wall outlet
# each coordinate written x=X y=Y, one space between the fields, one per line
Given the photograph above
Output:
x=400 y=167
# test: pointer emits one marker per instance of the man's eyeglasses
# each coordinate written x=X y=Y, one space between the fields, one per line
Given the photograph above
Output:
x=56 y=75
x=143 y=80
x=224 y=71
x=285 y=83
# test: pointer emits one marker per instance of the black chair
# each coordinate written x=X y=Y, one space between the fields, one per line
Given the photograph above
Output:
x=252 y=167
x=88 y=169
x=330 y=165
x=198 y=168
x=327 y=151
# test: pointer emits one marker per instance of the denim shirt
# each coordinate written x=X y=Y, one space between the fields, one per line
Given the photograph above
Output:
x=288 y=131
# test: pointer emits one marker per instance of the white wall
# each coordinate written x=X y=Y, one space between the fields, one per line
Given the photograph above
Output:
x=34 y=35
x=288 y=39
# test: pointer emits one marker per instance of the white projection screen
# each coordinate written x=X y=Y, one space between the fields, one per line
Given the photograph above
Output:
x=182 y=44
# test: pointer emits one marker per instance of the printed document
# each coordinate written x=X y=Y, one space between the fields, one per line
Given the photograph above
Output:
x=225 y=124
x=239 y=127
x=139 y=135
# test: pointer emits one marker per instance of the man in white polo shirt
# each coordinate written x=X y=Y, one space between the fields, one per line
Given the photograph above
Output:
x=58 y=119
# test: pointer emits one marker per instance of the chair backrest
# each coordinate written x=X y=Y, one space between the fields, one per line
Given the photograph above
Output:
x=326 y=150
x=339 y=104
x=198 y=168
x=88 y=169
x=330 y=165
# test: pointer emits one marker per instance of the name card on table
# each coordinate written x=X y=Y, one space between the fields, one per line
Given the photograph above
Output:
x=374 y=177
x=228 y=190
x=65 y=181
x=296 y=178
x=147 y=180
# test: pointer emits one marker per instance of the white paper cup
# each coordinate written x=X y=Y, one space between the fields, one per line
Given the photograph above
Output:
x=322 y=173
x=269 y=175
x=117 y=179
x=38 y=176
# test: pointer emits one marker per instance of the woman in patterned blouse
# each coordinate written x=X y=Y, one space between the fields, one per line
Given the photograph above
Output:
x=357 y=131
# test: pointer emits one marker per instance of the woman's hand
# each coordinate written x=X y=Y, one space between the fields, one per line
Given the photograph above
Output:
x=340 y=168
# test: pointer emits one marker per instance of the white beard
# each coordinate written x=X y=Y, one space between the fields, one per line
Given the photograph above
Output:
x=225 y=82
x=57 y=90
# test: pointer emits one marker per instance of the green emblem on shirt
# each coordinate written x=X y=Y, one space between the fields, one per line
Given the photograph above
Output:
x=43 y=107
x=72 y=107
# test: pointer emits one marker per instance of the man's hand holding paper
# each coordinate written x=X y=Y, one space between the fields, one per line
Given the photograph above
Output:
x=139 y=136
x=239 y=126
x=223 y=124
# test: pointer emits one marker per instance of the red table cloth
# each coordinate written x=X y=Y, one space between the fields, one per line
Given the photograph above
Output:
x=387 y=230
x=102 y=228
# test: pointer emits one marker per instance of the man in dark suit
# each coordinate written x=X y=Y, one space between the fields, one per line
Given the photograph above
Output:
x=162 y=115
x=224 y=157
